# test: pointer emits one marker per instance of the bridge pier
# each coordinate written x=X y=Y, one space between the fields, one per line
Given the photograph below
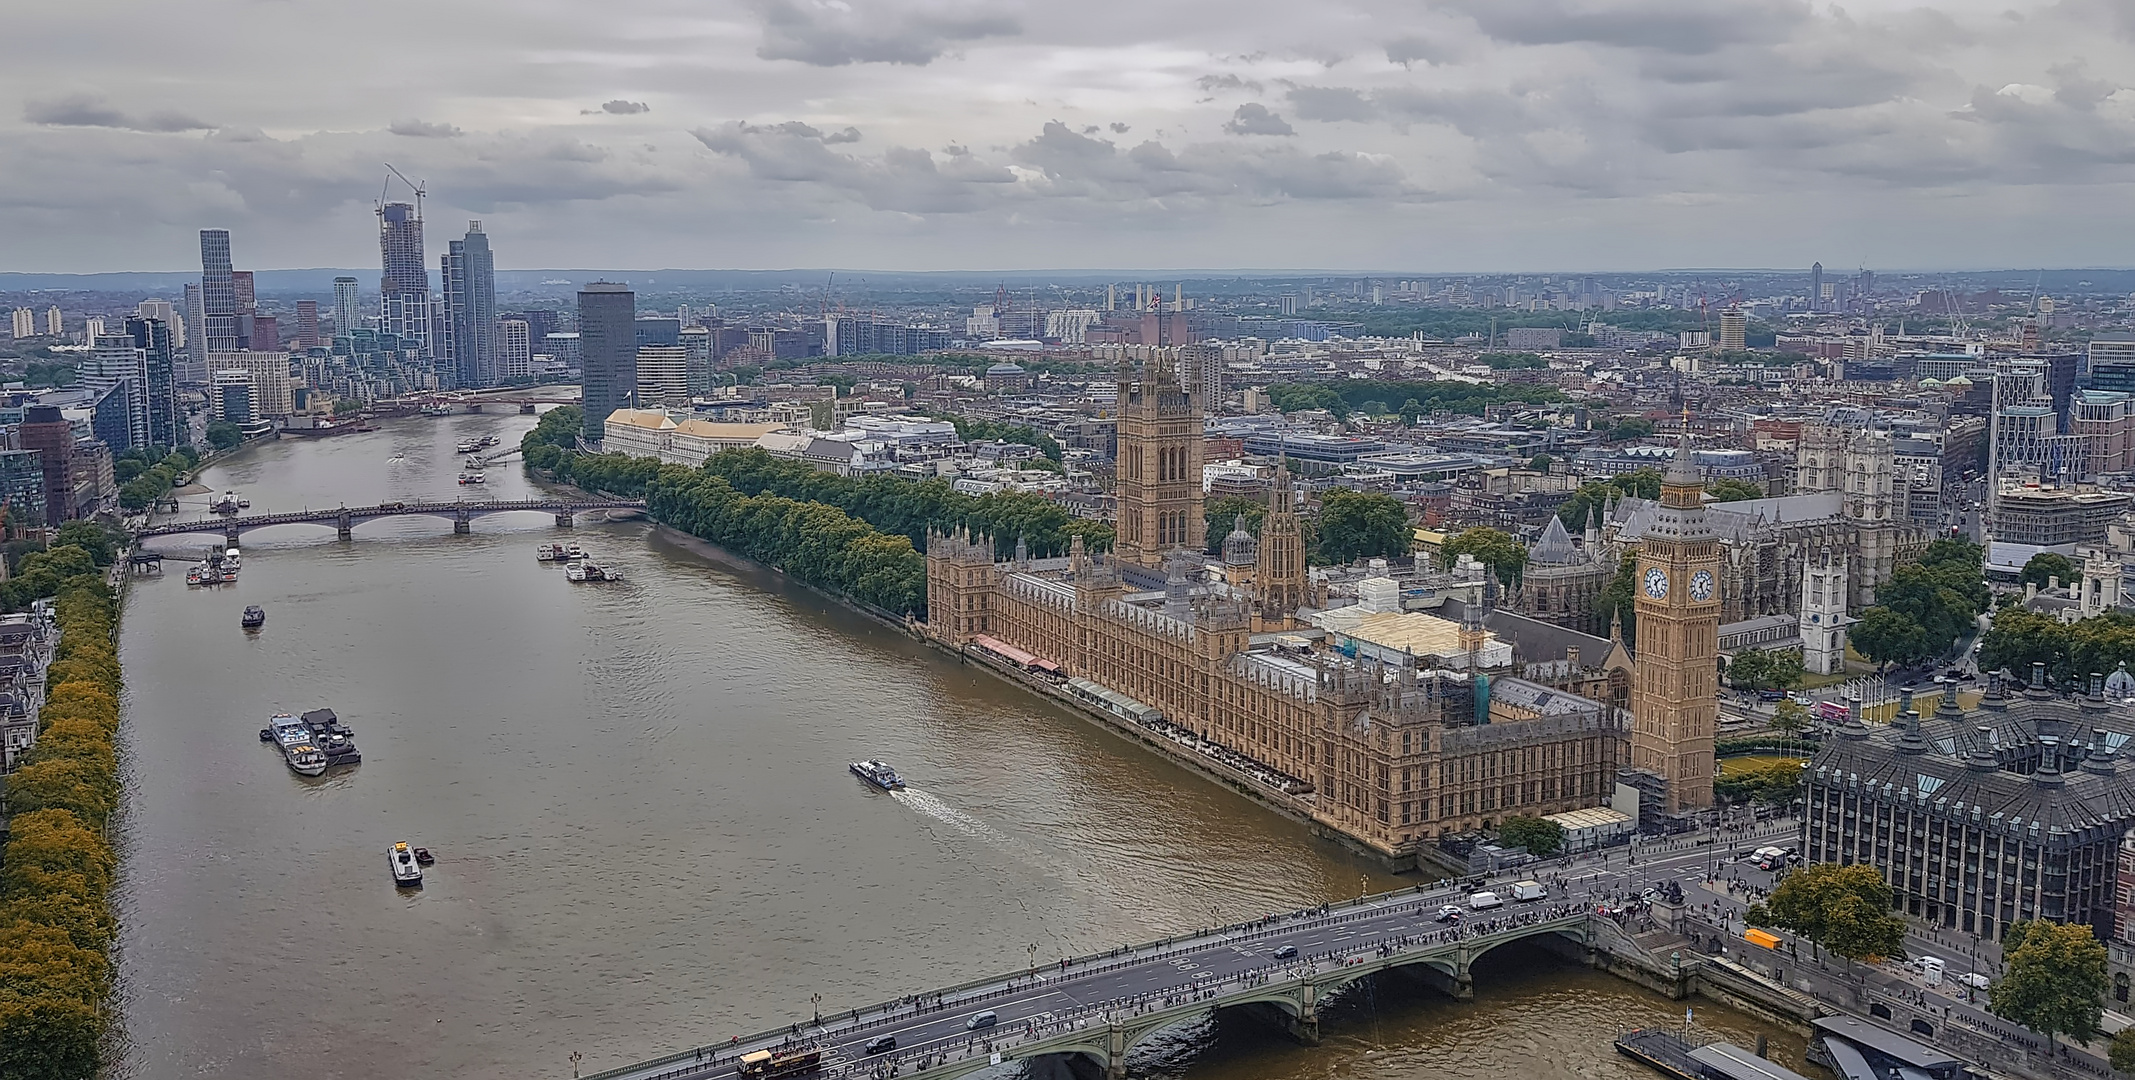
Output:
x=1116 y=1053
x=345 y=527
x=462 y=523
x=229 y=537
x=1459 y=987
x=1303 y=1026
x=564 y=519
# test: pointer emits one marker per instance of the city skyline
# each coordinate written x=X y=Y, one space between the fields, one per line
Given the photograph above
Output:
x=1454 y=138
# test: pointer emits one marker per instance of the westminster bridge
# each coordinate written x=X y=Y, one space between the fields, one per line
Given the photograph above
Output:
x=344 y=519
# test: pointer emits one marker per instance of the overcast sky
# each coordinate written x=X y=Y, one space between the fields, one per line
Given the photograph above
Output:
x=1425 y=135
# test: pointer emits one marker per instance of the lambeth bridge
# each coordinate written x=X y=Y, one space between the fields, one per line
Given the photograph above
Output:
x=1088 y=1013
x=344 y=519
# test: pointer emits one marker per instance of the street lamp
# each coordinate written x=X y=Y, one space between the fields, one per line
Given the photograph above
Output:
x=575 y=1059
x=1032 y=948
x=817 y=1001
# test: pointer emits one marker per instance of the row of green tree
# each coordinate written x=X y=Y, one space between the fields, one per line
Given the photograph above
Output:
x=969 y=429
x=1929 y=604
x=1418 y=399
x=147 y=475
x=2072 y=652
x=814 y=542
x=1350 y=525
x=56 y=920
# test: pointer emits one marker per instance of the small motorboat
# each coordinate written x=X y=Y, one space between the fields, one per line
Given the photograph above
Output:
x=574 y=571
x=254 y=618
x=878 y=774
x=423 y=857
x=472 y=478
x=407 y=873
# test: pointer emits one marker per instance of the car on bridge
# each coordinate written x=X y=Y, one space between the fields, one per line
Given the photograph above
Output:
x=880 y=1044
x=982 y=1020
x=1449 y=913
x=1285 y=952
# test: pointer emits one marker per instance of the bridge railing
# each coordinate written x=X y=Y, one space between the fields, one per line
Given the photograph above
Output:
x=1190 y=995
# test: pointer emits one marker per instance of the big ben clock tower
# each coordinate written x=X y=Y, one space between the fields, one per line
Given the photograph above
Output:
x=1675 y=695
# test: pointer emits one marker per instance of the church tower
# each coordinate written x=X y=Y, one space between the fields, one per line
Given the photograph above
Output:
x=1279 y=576
x=1823 y=614
x=1159 y=458
x=1675 y=696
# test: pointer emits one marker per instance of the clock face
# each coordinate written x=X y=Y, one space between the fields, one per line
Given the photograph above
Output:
x=1701 y=586
x=1657 y=583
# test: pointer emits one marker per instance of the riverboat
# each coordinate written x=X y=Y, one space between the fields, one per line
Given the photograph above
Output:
x=294 y=738
x=467 y=446
x=254 y=617
x=332 y=738
x=423 y=857
x=407 y=873
x=472 y=478
x=228 y=505
x=594 y=571
x=436 y=410
x=575 y=571
x=878 y=774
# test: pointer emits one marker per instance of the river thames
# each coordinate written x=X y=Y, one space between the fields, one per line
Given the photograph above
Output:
x=646 y=836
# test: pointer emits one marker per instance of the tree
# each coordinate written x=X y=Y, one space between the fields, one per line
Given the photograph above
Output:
x=2046 y=566
x=90 y=537
x=2053 y=979
x=1411 y=411
x=1541 y=462
x=1729 y=489
x=1845 y=909
x=1751 y=669
x=1506 y=557
x=222 y=435
x=1617 y=601
x=2121 y=1055
x=1887 y=636
x=1787 y=669
x=1790 y=718
x=1631 y=427
x=1359 y=525
x=1540 y=836
x=1229 y=512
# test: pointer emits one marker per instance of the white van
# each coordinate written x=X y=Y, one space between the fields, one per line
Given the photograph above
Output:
x=1484 y=901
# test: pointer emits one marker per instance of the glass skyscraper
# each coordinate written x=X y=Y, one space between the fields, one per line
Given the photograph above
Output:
x=470 y=279
x=608 y=348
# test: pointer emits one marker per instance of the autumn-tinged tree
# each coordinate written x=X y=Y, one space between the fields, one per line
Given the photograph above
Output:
x=2053 y=979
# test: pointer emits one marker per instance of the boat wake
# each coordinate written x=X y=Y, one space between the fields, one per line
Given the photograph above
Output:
x=933 y=807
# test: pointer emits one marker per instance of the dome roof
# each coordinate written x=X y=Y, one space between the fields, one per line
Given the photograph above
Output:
x=1241 y=548
x=1958 y=381
x=1931 y=384
x=2120 y=684
x=1005 y=368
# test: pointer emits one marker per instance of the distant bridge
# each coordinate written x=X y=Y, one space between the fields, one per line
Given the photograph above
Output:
x=344 y=519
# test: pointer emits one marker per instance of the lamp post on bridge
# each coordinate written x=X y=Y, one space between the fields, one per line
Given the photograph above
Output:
x=817 y=1001
x=1032 y=948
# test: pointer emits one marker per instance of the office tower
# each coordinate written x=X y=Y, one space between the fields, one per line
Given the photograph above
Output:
x=1733 y=331
x=608 y=349
x=44 y=430
x=54 y=325
x=655 y=330
x=345 y=318
x=157 y=345
x=1675 y=684
x=470 y=281
x=307 y=324
x=404 y=286
x=515 y=349
x=114 y=364
x=1816 y=286
x=218 y=293
x=663 y=376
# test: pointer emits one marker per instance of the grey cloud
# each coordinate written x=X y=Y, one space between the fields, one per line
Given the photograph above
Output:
x=1119 y=128
x=1408 y=50
x=1331 y=103
x=1253 y=118
x=826 y=33
x=423 y=129
x=89 y=110
x=619 y=107
x=901 y=179
x=1680 y=26
x=1209 y=84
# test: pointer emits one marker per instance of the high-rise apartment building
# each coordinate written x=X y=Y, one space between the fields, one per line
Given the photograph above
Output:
x=663 y=376
x=25 y=323
x=158 y=348
x=269 y=375
x=1733 y=331
x=1816 y=286
x=404 y=286
x=1675 y=687
x=218 y=294
x=345 y=318
x=515 y=349
x=608 y=349
x=114 y=363
x=47 y=432
x=265 y=333
x=470 y=280
x=307 y=330
x=196 y=334
x=54 y=323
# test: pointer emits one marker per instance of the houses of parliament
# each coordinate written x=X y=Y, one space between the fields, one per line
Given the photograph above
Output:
x=1388 y=752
